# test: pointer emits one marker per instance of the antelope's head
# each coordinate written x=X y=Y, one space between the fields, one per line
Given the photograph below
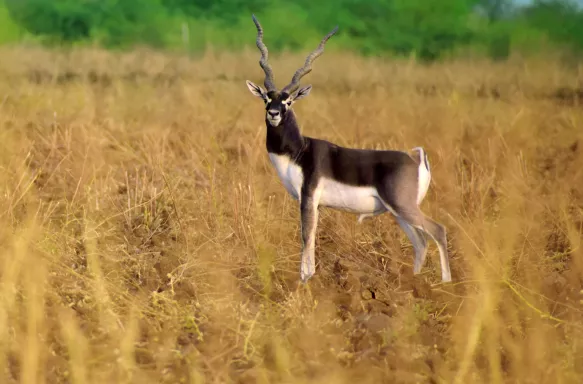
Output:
x=278 y=102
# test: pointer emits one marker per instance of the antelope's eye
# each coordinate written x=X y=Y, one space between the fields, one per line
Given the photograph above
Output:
x=289 y=103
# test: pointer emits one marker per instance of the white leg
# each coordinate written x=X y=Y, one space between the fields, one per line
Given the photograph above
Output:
x=309 y=223
x=419 y=243
x=440 y=240
x=413 y=217
x=364 y=216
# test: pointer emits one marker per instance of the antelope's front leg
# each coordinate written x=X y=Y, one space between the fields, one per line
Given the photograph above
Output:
x=309 y=222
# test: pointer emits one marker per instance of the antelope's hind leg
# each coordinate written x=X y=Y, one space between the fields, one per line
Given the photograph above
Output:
x=414 y=222
x=438 y=232
x=417 y=238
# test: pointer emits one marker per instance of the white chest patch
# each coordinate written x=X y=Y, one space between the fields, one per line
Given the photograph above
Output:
x=361 y=200
x=289 y=173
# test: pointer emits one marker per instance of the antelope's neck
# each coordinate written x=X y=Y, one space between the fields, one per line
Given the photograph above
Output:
x=286 y=138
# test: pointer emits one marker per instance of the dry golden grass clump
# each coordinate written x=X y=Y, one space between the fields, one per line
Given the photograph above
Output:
x=146 y=238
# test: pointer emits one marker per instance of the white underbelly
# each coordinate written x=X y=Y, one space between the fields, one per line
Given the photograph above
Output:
x=332 y=194
x=350 y=198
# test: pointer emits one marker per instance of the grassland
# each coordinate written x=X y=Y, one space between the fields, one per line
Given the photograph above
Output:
x=146 y=238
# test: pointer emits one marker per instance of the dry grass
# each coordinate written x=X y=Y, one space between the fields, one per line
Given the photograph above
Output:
x=146 y=238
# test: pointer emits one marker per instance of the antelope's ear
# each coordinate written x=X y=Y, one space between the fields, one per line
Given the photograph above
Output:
x=301 y=93
x=256 y=90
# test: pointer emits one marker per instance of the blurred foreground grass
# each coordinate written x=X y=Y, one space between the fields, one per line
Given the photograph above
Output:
x=146 y=238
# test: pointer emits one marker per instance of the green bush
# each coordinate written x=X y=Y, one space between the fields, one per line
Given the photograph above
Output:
x=61 y=20
x=429 y=29
x=113 y=23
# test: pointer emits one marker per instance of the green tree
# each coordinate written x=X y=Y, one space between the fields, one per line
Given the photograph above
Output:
x=561 y=20
x=495 y=10
x=113 y=22
x=66 y=20
x=428 y=28
x=223 y=10
x=121 y=23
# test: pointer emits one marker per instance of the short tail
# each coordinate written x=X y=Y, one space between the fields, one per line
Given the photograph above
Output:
x=423 y=175
x=423 y=158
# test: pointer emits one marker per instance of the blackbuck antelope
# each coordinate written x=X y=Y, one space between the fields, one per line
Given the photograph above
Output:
x=321 y=174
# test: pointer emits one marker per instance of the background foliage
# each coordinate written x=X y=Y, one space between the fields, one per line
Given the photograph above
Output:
x=428 y=29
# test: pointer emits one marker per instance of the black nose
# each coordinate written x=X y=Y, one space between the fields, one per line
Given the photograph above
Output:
x=273 y=113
